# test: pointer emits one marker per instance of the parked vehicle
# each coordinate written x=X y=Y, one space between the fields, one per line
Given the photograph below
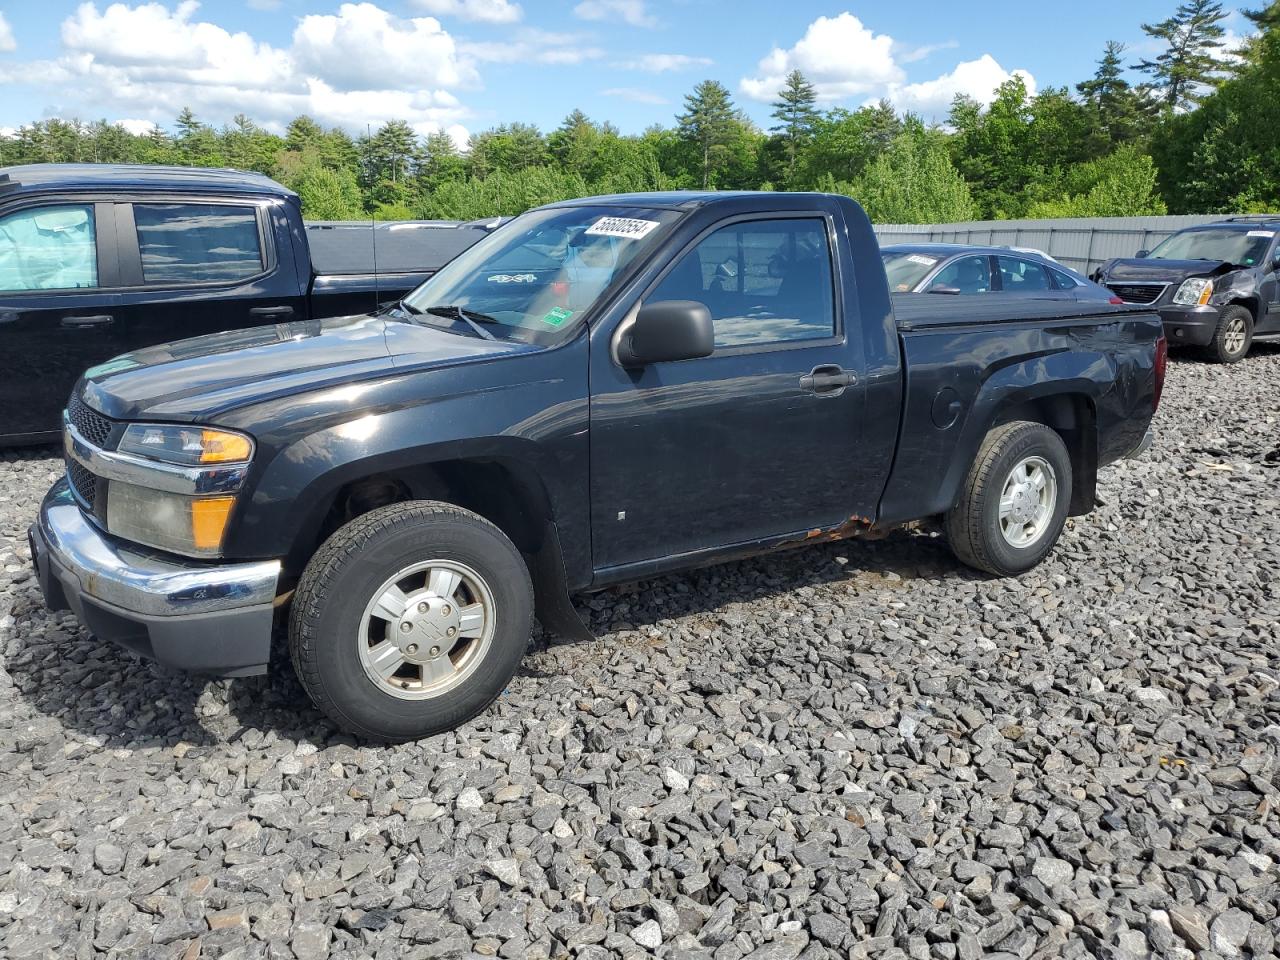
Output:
x=1215 y=285
x=99 y=259
x=602 y=390
x=956 y=268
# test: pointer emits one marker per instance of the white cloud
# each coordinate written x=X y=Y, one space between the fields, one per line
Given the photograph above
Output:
x=845 y=59
x=916 y=54
x=139 y=128
x=7 y=42
x=365 y=48
x=633 y=12
x=973 y=78
x=635 y=95
x=360 y=66
x=665 y=62
x=533 y=46
x=839 y=55
x=486 y=11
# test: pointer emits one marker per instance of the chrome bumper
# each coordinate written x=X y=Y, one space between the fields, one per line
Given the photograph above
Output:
x=196 y=616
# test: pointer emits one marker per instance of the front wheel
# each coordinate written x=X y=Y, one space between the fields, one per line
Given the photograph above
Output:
x=1015 y=500
x=410 y=620
x=1233 y=336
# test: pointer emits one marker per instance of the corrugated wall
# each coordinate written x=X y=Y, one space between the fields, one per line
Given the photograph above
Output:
x=1081 y=244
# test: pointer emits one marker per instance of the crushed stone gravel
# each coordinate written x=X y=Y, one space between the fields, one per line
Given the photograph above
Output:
x=852 y=750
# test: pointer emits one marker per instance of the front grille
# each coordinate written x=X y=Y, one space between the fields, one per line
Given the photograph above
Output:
x=89 y=423
x=84 y=483
x=1138 y=292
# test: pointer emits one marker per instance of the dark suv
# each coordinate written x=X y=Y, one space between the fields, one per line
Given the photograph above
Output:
x=1214 y=285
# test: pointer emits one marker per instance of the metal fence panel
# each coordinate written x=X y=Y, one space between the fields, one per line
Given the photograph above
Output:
x=1081 y=244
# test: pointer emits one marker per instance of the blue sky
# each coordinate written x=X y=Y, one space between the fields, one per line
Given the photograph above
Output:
x=464 y=65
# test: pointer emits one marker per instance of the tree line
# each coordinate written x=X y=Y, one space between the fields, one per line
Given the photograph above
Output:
x=1197 y=135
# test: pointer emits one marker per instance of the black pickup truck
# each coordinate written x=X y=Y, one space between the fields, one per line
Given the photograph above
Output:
x=601 y=390
x=99 y=259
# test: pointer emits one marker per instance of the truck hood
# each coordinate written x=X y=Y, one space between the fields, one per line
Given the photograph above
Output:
x=197 y=380
x=1160 y=271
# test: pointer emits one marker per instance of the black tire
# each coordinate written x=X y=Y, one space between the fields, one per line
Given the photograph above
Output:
x=344 y=576
x=1226 y=345
x=973 y=525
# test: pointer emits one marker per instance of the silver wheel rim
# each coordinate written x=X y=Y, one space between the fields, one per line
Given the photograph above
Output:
x=1235 y=334
x=1027 y=502
x=426 y=629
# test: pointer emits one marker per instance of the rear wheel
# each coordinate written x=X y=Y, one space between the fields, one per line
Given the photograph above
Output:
x=1233 y=337
x=410 y=620
x=1015 y=500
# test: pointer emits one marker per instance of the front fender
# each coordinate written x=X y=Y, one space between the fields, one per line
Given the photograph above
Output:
x=530 y=410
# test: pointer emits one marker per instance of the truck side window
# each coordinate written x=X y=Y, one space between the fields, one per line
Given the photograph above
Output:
x=197 y=242
x=764 y=281
x=48 y=248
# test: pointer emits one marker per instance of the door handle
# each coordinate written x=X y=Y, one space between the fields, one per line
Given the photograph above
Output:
x=828 y=380
x=280 y=311
x=80 y=323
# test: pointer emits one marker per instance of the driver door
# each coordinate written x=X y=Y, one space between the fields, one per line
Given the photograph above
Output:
x=696 y=455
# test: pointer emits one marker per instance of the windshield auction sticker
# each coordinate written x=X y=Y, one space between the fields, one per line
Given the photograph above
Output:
x=923 y=261
x=557 y=316
x=1253 y=233
x=623 y=227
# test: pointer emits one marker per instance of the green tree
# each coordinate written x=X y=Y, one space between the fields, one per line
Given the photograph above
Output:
x=1223 y=157
x=507 y=149
x=1193 y=40
x=1122 y=184
x=1121 y=112
x=328 y=194
x=914 y=181
x=710 y=124
x=796 y=113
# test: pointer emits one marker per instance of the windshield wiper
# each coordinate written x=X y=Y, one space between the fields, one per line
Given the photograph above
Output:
x=471 y=318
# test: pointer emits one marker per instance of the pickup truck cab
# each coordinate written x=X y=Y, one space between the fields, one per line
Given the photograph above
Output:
x=1216 y=286
x=100 y=259
x=601 y=390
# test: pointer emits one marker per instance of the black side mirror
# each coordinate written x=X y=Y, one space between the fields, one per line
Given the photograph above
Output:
x=666 y=331
x=1143 y=254
x=949 y=291
x=1275 y=262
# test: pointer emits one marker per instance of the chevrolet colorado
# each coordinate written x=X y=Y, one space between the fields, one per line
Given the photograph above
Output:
x=601 y=390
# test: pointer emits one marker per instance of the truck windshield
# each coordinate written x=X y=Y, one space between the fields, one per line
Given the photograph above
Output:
x=906 y=269
x=534 y=277
x=1244 y=247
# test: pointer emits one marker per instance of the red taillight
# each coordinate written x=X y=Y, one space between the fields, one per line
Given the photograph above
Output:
x=1116 y=302
x=1161 y=365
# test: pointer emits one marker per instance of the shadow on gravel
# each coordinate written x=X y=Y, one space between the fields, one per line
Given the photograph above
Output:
x=891 y=562
x=106 y=693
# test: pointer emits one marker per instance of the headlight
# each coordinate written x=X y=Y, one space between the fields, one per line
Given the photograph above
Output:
x=1194 y=291
x=192 y=526
x=186 y=446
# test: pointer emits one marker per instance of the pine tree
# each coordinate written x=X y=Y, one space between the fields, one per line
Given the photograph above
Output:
x=1193 y=40
x=796 y=114
x=1121 y=112
x=709 y=123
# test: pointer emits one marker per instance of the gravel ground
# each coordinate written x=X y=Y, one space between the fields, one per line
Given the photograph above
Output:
x=851 y=750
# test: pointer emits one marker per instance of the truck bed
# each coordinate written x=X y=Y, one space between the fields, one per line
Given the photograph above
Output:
x=346 y=248
x=916 y=311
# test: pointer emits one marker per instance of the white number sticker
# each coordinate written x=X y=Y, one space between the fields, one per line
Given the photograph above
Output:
x=922 y=260
x=623 y=227
x=1261 y=233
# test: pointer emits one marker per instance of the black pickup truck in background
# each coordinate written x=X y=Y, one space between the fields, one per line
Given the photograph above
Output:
x=100 y=259
x=601 y=390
